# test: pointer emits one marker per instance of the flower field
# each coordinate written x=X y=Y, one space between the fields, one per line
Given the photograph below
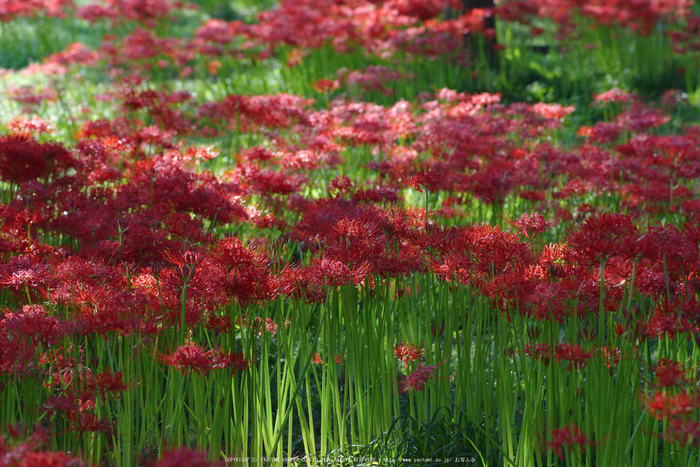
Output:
x=349 y=233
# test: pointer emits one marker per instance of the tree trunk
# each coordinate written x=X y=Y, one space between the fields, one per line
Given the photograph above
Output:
x=489 y=24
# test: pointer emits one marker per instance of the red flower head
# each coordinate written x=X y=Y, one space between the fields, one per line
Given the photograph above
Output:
x=416 y=380
x=670 y=374
x=189 y=358
x=574 y=354
x=82 y=422
x=613 y=95
x=110 y=382
x=326 y=85
x=32 y=321
x=232 y=360
x=532 y=223
x=192 y=358
x=571 y=436
x=683 y=431
x=407 y=352
x=342 y=184
x=663 y=405
x=431 y=180
x=539 y=352
x=186 y=265
x=23 y=159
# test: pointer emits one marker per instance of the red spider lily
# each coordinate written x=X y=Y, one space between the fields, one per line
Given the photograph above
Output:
x=602 y=237
x=220 y=324
x=437 y=330
x=326 y=85
x=534 y=223
x=372 y=78
x=33 y=321
x=670 y=374
x=35 y=126
x=429 y=179
x=663 y=405
x=611 y=356
x=28 y=453
x=231 y=253
x=548 y=301
x=63 y=357
x=23 y=159
x=541 y=352
x=416 y=380
x=30 y=9
x=356 y=229
x=213 y=66
x=485 y=250
x=339 y=359
x=62 y=403
x=641 y=118
x=683 y=431
x=193 y=358
x=572 y=353
x=408 y=352
x=59 y=63
x=31 y=97
x=185 y=265
x=533 y=332
x=267 y=181
x=571 y=437
x=268 y=326
x=553 y=111
x=189 y=358
x=336 y=273
x=251 y=284
x=296 y=284
x=671 y=318
x=110 y=382
x=15 y=355
x=257 y=323
x=229 y=360
x=145 y=12
x=82 y=422
x=342 y=184
x=280 y=110
x=601 y=132
x=673 y=98
x=613 y=95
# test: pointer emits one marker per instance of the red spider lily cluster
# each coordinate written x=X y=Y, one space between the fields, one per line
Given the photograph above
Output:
x=570 y=437
x=21 y=450
x=639 y=16
x=383 y=29
x=148 y=222
x=675 y=401
x=193 y=358
x=417 y=379
x=10 y=9
x=138 y=214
